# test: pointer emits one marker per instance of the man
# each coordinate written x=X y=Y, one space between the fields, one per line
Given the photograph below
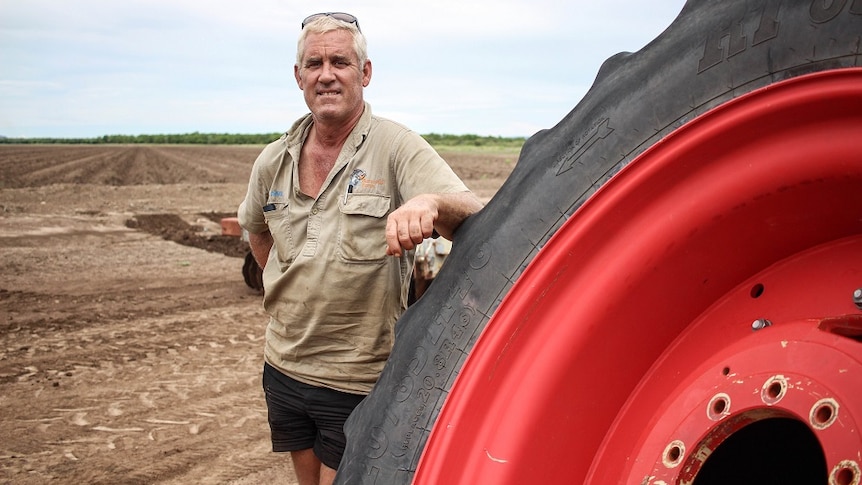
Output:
x=334 y=208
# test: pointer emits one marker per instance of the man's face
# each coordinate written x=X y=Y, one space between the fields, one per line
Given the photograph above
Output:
x=331 y=78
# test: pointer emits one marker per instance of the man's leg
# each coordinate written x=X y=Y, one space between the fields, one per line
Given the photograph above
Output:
x=327 y=475
x=329 y=409
x=309 y=470
x=307 y=421
x=292 y=430
x=307 y=467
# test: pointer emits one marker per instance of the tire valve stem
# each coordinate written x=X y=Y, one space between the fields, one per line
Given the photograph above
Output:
x=760 y=324
x=857 y=298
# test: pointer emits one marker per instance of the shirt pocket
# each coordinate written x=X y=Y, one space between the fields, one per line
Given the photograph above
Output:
x=362 y=237
x=278 y=221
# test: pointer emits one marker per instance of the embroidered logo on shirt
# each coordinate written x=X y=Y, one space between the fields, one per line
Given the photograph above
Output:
x=359 y=180
x=370 y=185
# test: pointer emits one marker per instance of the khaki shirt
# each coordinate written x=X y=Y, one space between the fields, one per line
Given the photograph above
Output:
x=332 y=294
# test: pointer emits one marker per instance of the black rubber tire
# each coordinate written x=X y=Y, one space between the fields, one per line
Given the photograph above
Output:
x=712 y=53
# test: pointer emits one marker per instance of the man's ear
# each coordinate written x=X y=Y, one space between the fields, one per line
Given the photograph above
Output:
x=297 y=76
x=366 y=73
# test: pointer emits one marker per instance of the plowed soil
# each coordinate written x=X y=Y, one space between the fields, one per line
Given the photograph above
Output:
x=130 y=347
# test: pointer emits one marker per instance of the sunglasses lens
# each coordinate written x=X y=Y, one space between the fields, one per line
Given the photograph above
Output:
x=344 y=17
x=312 y=18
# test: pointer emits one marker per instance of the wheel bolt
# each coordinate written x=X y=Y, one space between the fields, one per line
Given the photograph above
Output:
x=857 y=298
x=760 y=324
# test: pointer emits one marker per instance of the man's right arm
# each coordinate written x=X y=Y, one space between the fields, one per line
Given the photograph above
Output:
x=261 y=244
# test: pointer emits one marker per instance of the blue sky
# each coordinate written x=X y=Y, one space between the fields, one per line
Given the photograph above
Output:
x=88 y=68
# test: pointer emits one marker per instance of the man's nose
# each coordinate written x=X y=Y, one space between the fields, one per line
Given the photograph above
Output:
x=327 y=73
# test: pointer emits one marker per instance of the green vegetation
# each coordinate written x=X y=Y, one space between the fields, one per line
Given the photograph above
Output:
x=462 y=141
x=179 y=139
x=438 y=141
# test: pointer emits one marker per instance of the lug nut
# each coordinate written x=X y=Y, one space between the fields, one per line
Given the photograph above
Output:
x=857 y=298
x=760 y=324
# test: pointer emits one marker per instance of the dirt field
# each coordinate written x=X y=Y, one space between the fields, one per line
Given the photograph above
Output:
x=130 y=347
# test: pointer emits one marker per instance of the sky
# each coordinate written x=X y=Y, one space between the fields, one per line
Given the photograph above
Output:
x=88 y=68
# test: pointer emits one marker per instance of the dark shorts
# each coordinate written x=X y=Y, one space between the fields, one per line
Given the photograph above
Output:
x=302 y=416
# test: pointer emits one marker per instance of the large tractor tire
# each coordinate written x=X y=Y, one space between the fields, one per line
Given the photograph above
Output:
x=667 y=289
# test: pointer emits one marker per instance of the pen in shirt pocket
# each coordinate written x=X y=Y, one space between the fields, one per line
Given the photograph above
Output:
x=348 y=191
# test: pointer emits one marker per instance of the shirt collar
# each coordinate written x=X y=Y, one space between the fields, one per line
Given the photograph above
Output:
x=299 y=130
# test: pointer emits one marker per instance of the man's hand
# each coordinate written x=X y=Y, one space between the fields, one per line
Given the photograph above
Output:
x=416 y=220
x=411 y=223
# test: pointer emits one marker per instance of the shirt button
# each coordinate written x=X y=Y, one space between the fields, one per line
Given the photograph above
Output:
x=314 y=211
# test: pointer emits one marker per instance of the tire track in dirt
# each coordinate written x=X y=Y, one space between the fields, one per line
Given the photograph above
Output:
x=171 y=390
x=170 y=365
x=120 y=165
x=30 y=168
x=22 y=165
x=218 y=163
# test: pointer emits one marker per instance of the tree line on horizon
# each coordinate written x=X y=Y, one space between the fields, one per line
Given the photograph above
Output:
x=435 y=139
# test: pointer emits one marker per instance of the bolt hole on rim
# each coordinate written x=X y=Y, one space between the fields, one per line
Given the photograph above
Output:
x=773 y=390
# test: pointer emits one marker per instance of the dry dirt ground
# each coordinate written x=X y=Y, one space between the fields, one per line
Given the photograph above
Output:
x=130 y=347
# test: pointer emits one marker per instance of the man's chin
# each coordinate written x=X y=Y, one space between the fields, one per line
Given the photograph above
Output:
x=328 y=105
x=327 y=112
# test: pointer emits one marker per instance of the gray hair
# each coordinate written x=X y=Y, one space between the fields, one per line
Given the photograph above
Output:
x=326 y=24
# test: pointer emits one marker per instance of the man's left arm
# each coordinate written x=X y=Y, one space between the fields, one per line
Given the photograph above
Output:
x=417 y=219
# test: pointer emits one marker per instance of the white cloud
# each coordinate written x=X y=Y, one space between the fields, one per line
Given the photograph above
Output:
x=92 y=67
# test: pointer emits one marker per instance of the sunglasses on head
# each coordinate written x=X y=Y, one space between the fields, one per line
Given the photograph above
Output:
x=344 y=17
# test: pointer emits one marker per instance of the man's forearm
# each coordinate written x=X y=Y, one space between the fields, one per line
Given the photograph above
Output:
x=453 y=209
x=261 y=244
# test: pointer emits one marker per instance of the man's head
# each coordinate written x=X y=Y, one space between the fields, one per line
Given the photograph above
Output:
x=332 y=67
x=321 y=23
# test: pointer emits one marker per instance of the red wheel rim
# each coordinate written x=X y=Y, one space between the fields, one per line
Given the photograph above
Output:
x=625 y=352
